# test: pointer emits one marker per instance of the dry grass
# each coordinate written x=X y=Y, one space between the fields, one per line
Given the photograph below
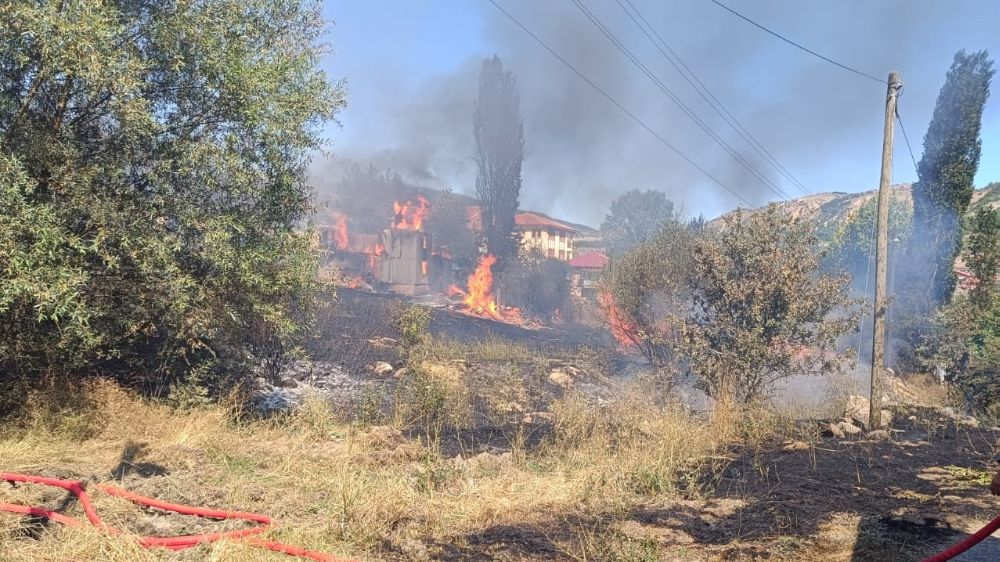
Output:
x=367 y=492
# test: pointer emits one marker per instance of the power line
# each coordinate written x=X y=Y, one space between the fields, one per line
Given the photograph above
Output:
x=907 y=139
x=793 y=43
x=706 y=94
x=774 y=188
x=617 y=104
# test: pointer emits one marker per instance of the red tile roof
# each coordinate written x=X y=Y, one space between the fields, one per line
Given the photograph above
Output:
x=525 y=220
x=590 y=260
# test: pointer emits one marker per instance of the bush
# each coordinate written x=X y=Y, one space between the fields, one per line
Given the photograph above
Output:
x=537 y=285
x=148 y=226
x=413 y=323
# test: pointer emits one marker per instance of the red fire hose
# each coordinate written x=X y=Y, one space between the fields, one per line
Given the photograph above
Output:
x=174 y=543
x=969 y=542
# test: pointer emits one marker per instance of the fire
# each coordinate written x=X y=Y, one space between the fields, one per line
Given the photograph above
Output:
x=340 y=233
x=480 y=295
x=622 y=328
x=411 y=215
x=478 y=300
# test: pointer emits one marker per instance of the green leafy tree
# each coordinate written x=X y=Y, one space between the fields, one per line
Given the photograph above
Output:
x=852 y=249
x=983 y=253
x=762 y=311
x=740 y=308
x=645 y=289
x=499 y=133
x=634 y=217
x=152 y=162
x=537 y=285
x=952 y=148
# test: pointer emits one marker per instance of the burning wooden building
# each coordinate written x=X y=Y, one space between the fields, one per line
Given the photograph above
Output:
x=401 y=258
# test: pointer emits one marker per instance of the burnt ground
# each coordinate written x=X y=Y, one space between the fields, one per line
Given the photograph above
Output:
x=806 y=497
x=855 y=500
x=358 y=330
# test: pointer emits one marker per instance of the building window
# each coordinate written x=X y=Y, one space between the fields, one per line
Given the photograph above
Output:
x=552 y=253
x=537 y=233
x=562 y=254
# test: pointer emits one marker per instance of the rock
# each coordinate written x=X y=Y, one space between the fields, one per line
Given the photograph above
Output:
x=795 y=446
x=849 y=428
x=969 y=421
x=538 y=417
x=948 y=411
x=878 y=435
x=886 y=418
x=832 y=430
x=561 y=378
x=381 y=368
x=857 y=409
x=401 y=373
x=414 y=549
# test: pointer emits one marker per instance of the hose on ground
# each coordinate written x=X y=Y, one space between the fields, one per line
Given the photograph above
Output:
x=77 y=488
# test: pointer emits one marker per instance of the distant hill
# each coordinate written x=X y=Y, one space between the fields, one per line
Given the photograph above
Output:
x=830 y=211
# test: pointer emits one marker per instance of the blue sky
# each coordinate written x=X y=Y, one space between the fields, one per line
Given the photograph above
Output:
x=411 y=70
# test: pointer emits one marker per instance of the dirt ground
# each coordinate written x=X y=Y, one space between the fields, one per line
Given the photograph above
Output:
x=898 y=499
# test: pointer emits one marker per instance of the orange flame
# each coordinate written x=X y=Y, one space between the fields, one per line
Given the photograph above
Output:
x=340 y=232
x=622 y=328
x=411 y=215
x=480 y=296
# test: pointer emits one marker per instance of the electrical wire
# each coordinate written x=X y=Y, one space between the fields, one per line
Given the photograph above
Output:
x=774 y=188
x=907 y=139
x=706 y=94
x=794 y=44
x=617 y=104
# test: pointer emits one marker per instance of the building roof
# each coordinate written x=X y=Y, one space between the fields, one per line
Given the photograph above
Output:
x=590 y=260
x=523 y=220
x=528 y=219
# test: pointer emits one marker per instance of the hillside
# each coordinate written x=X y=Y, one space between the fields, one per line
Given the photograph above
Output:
x=832 y=210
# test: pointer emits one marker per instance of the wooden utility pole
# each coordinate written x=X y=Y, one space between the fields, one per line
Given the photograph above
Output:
x=881 y=255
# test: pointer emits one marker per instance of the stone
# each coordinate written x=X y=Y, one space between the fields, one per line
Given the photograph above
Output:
x=878 y=435
x=561 y=378
x=832 y=430
x=886 y=418
x=849 y=428
x=969 y=421
x=381 y=368
x=401 y=373
x=857 y=409
x=538 y=417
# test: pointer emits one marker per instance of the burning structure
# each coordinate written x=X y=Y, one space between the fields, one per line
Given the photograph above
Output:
x=400 y=258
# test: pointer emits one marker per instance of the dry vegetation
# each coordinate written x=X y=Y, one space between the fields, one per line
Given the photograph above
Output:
x=481 y=451
x=397 y=490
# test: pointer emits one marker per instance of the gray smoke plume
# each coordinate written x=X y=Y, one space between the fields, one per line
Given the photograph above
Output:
x=823 y=123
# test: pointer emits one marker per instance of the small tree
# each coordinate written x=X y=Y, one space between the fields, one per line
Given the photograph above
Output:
x=646 y=291
x=538 y=285
x=366 y=196
x=762 y=312
x=983 y=254
x=853 y=244
x=448 y=225
x=499 y=134
x=635 y=217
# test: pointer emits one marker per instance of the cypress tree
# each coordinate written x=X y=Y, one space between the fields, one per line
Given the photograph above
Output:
x=941 y=196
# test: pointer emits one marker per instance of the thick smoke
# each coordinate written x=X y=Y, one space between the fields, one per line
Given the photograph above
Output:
x=823 y=123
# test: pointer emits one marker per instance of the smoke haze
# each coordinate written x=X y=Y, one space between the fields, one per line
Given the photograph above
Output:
x=821 y=122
